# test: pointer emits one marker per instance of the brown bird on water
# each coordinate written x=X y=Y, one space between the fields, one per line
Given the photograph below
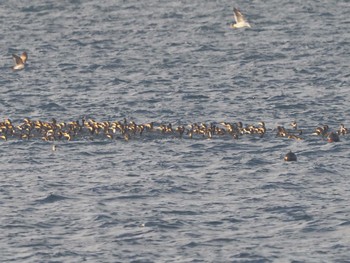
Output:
x=322 y=131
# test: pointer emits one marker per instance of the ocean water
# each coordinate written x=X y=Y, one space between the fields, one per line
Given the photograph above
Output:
x=160 y=198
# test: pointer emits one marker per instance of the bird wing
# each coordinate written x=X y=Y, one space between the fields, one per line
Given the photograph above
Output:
x=24 y=57
x=17 y=59
x=238 y=15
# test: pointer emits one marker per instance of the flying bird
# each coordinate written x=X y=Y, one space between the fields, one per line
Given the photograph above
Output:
x=240 y=20
x=20 y=61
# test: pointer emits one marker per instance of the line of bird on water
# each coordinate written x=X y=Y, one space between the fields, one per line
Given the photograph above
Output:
x=241 y=22
x=124 y=129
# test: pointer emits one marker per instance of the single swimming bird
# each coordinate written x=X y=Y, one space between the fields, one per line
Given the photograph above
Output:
x=342 y=130
x=240 y=19
x=333 y=137
x=294 y=125
x=20 y=61
x=290 y=157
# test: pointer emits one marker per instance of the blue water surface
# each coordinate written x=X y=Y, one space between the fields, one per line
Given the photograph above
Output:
x=161 y=198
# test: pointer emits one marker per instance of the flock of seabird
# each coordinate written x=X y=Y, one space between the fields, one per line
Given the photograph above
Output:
x=126 y=130
x=89 y=129
x=54 y=131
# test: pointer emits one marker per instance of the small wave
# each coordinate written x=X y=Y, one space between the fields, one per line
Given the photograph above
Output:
x=51 y=198
x=52 y=107
x=194 y=97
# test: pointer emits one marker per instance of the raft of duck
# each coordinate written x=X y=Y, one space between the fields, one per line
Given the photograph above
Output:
x=126 y=130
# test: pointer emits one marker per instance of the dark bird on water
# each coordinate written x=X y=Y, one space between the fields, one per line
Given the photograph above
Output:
x=290 y=157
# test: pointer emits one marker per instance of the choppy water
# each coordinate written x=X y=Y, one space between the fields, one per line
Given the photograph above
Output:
x=163 y=199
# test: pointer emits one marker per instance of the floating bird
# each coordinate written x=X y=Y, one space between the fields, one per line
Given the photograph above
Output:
x=292 y=136
x=290 y=157
x=294 y=125
x=180 y=130
x=281 y=132
x=262 y=129
x=20 y=61
x=342 y=130
x=333 y=137
x=54 y=130
x=240 y=20
x=321 y=131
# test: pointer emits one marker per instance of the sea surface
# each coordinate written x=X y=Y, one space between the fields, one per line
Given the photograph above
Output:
x=160 y=198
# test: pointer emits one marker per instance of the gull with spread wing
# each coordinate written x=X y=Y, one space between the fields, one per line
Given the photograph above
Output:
x=240 y=20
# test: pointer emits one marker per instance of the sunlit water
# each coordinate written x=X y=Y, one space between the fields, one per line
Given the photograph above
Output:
x=161 y=198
